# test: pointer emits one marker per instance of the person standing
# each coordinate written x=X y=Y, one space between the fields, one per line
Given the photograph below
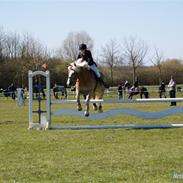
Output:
x=12 y=90
x=162 y=90
x=172 y=90
x=120 y=91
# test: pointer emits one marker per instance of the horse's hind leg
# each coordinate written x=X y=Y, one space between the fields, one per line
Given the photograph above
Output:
x=95 y=107
x=100 y=110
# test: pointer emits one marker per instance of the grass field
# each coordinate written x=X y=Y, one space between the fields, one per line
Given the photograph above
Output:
x=152 y=156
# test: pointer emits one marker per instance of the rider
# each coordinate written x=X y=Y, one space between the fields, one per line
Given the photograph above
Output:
x=135 y=85
x=86 y=55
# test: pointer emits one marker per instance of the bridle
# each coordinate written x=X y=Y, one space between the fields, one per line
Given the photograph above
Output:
x=71 y=72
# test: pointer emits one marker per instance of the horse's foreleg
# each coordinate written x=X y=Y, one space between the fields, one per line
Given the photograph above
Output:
x=79 y=107
x=130 y=96
x=141 y=95
x=87 y=113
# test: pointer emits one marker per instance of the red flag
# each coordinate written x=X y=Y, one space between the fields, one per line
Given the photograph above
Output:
x=45 y=66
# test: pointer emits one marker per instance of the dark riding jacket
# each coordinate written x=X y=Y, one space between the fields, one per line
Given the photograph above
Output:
x=87 y=56
x=136 y=84
x=162 y=87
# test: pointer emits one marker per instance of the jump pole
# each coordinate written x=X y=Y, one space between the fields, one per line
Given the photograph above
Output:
x=47 y=124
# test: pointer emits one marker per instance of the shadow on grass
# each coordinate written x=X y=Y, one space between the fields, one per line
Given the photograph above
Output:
x=6 y=122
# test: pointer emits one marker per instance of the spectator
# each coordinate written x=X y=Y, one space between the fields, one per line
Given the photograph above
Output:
x=172 y=90
x=162 y=90
x=55 y=91
x=120 y=91
x=12 y=90
x=1 y=90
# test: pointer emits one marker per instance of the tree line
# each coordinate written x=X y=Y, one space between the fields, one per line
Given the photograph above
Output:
x=118 y=61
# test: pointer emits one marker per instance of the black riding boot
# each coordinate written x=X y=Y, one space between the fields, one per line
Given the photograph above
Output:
x=101 y=80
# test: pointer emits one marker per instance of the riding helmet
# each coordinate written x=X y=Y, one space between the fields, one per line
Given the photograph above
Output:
x=82 y=46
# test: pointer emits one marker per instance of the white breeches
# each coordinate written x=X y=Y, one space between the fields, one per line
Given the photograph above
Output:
x=95 y=69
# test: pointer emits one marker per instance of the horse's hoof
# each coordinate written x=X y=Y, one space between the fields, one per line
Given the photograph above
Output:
x=100 y=111
x=95 y=108
x=79 y=108
x=86 y=114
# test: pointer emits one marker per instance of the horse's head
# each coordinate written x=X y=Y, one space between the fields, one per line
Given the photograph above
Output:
x=127 y=85
x=74 y=70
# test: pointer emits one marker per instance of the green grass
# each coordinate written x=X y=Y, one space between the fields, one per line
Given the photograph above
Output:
x=88 y=155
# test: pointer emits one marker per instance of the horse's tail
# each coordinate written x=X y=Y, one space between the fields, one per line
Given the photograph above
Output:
x=99 y=89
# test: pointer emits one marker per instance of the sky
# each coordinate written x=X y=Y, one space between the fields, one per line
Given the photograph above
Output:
x=157 y=22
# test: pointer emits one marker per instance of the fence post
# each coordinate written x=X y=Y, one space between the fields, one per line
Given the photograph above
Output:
x=30 y=100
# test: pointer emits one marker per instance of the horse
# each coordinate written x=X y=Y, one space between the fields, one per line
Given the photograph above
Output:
x=10 y=92
x=179 y=88
x=87 y=84
x=57 y=89
x=136 y=90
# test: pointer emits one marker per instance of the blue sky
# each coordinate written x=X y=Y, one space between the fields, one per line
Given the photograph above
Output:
x=158 y=23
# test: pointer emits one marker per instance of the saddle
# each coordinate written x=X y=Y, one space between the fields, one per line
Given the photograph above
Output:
x=134 y=89
x=81 y=63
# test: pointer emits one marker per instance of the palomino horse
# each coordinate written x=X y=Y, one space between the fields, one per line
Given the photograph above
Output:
x=86 y=84
x=136 y=90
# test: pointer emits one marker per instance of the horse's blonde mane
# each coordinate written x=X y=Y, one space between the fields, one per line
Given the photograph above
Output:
x=80 y=63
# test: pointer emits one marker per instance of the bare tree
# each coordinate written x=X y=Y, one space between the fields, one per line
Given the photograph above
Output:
x=111 y=56
x=32 y=55
x=135 y=51
x=12 y=46
x=30 y=48
x=157 y=61
x=32 y=51
x=71 y=44
x=2 y=43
